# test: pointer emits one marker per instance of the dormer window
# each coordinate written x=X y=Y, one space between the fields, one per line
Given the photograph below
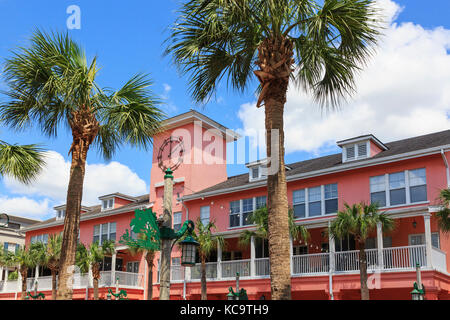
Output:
x=60 y=214
x=255 y=173
x=360 y=148
x=107 y=204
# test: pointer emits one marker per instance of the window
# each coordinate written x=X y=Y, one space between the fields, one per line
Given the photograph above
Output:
x=204 y=214
x=378 y=190
x=133 y=266
x=5 y=247
x=247 y=209
x=331 y=201
x=299 y=203
x=314 y=198
x=40 y=238
x=362 y=150
x=177 y=220
x=17 y=248
x=60 y=214
x=235 y=213
x=261 y=248
x=107 y=204
x=397 y=190
x=255 y=173
x=419 y=239
x=105 y=231
x=299 y=250
x=350 y=152
x=418 y=185
x=403 y=188
x=261 y=202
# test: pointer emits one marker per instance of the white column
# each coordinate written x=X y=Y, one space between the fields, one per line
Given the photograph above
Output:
x=6 y=274
x=252 y=257
x=428 y=249
x=91 y=278
x=219 y=261
x=36 y=276
x=19 y=282
x=290 y=255
x=113 y=268
x=1 y=273
x=331 y=249
x=380 y=246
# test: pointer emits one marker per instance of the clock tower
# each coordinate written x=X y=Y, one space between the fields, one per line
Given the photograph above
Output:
x=193 y=146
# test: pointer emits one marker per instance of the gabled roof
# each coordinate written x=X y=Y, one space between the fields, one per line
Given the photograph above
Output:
x=332 y=163
x=366 y=137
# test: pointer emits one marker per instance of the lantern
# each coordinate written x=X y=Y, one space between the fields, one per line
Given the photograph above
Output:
x=188 y=250
x=416 y=294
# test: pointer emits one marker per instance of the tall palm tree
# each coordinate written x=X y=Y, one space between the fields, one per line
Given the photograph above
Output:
x=21 y=162
x=319 y=45
x=92 y=257
x=149 y=257
x=52 y=84
x=260 y=218
x=207 y=243
x=444 y=214
x=360 y=220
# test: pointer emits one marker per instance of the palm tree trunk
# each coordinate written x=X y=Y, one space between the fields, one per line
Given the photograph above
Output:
x=149 y=257
x=204 y=295
x=363 y=271
x=84 y=130
x=53 y=284
x=95 y=280
x=272 y=52
x=24 y=272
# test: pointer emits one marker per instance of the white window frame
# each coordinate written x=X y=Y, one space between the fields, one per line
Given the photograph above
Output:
x=178 y=214
x=205 y=220
x=132 y=264
x=356 y=148
x=322 y=201
x=109 y=204
x=423 y=237
x=109 y=224
x=241 y=212
x=407 y=189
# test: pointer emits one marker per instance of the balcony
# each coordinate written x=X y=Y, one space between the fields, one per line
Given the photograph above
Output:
x=127 y=280
x=393 y=259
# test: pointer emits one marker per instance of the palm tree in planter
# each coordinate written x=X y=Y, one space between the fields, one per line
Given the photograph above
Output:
x=207 y=243
x=53 y=85
x=359 y=220
x=149 y=257
x=319 y=45
x=443 y=215
x=92 y=257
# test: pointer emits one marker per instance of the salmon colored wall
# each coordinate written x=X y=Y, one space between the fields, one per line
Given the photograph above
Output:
x=119 y=202
x=374 y=149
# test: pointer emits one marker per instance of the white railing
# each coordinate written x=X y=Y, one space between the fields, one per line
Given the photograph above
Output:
x=350 y=260
x=176 y=272
x=44 y=283
x=262 y=267
x=81 y=280
x=10 y=286
x=130 y=279
x=404 y=257
x=311 y=263
x=438 y=259
x=211 y=271
x=229 y=268
x=105 y=279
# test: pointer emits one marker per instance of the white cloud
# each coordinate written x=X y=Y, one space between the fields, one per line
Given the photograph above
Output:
x=100 y=179
x=403 y=92
x=25 y=207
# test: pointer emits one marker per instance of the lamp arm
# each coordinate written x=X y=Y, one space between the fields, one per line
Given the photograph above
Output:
x=188 y=226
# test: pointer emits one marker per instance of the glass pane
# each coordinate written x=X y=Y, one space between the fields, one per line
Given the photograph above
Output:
x=234 y=207
x=298 y=196
x=378 y=197
x=314 y=194
x=255 y=173
x=245 y=218
x=112 y=236
x=112 y=227
x=331 y=191
x=398 y=196
x=204 y=213
x=377 y=184
x=331 y=206
x=96 y=230
x=177 y=218
x=299 y=210
x=105 y=228
x=261 y=202
x=418 y=193
x=234 y=220
x=397 y=180
x=417 y=177
x=435 y=240
x=247 y=205
x=96 y=239
x=315 y=209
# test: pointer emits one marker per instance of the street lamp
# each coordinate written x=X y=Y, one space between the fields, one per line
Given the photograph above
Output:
x=417 y=294
x=188 y=250
x=239 y=294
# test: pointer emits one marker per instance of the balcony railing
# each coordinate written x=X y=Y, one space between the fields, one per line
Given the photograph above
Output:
x=80 y=281
x=396 y=258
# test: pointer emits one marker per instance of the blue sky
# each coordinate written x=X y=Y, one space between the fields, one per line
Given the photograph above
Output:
x=127 y=37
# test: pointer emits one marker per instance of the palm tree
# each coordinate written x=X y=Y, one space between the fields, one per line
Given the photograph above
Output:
x=360 y=220
x=23 y=163
x=260 y=218
x=25 y=259
x=444 y=214
x=53 y=85
x=207 y=243
x=92 y=257
x=48 y=255
x=149 y=257
x=319 y=45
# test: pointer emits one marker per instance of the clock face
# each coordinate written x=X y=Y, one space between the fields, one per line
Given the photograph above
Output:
x=170 y=155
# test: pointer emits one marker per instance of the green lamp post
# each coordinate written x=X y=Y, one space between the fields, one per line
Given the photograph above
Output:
x=416 y=293
x=239 y=294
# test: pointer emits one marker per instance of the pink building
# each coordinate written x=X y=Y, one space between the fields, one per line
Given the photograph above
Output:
x=404 y=177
